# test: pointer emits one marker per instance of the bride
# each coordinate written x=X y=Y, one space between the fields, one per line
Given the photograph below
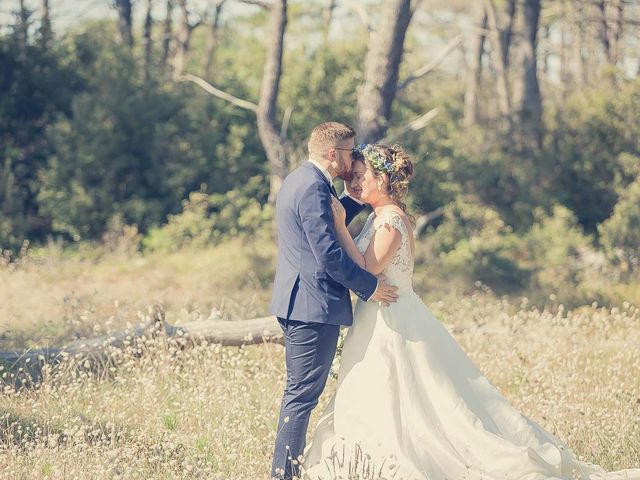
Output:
x=409 y=403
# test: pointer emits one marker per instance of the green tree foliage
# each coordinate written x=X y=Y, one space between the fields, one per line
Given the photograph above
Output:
x=134 y=148
x=90 y=146
x=620 y=233
x=209 y=219
x=474 y=241
x=37 y=85
x=587 y=153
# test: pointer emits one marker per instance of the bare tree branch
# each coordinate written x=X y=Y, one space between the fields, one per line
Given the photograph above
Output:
x=183 y=36
x=425 y=69
x=327 y=16
x=359 y=9
x=286 y=118
x=414 y=6
x=258 y=3
x=207 y=87
x=413 y=126
x=276 y=147
x=423 y=220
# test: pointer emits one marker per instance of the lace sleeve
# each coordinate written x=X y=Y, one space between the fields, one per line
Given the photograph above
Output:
x=401 y=266
x=393 y=220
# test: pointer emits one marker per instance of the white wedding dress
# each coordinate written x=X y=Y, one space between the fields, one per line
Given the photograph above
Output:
x=410 y=404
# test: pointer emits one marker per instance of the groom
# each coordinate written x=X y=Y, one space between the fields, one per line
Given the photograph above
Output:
x=311 y=287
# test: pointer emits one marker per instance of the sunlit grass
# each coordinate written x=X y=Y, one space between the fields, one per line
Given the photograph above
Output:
x=50 y=300
x=207 y=411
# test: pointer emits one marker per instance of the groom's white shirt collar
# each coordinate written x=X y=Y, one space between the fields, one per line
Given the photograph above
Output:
x=324 y=171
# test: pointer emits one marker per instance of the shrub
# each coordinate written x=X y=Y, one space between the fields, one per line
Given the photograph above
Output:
x=562 y=259
x=473 y=241
x=620 y=233
x=210 y=219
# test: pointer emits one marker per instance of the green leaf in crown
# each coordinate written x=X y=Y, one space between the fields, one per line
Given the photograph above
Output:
x=375 y=157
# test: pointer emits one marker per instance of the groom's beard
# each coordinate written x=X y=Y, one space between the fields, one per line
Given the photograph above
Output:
x=344 y=172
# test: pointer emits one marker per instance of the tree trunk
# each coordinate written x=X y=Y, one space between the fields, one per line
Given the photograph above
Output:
x=382 y=64
x=273 y=140
x=22 y=28
x=327 y=19
x=582 y=34
x=592 y=48
x=498 y=56
x=182 y=38
x=268 y=128
x=148 y=45
x=544 y=52
x=530 y=109
x=506 y=34
x=212 y=39
x=125 y=35
x=167 y=34
x=474 y=71
x=96 y=352
x=46 y=33
x=611 y=12
x=565 y=77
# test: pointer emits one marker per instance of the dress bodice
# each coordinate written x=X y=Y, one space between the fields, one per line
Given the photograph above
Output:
x=399 y=272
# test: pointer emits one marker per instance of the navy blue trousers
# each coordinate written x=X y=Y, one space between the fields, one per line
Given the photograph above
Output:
x=309 y=352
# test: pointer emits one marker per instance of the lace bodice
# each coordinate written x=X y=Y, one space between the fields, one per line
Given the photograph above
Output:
x=399 y=272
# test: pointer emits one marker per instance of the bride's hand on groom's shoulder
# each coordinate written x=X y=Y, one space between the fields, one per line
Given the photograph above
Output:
x=339 y=213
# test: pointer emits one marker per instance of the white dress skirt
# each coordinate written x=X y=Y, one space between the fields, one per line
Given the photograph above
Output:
x=410 y=404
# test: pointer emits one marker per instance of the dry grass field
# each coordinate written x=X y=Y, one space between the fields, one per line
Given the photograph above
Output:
x=208 y=411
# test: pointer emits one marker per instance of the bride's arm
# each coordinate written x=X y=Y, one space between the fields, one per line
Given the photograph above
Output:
x=380 y=251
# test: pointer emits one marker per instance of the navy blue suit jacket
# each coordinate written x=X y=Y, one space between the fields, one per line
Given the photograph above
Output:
x=314 y=273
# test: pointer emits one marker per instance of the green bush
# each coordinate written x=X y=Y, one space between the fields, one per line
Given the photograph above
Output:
x=554 y=259
x=620 y=233
x=36 y=88
x=210 y=219
x=592 y=148
x=563 y=261
x=474 y=242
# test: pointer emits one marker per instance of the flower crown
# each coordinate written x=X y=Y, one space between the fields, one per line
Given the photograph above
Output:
x=375 y=157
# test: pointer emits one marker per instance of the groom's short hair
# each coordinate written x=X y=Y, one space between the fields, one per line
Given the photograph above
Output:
x=327 y=135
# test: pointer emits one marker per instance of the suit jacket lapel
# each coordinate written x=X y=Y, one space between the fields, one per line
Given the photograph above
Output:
x=321 y=175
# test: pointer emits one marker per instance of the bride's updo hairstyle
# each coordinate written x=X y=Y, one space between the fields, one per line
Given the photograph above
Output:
x=393 y=161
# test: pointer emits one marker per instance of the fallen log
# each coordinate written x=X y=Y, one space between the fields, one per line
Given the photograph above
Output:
x=234 y=333
x=227 y=333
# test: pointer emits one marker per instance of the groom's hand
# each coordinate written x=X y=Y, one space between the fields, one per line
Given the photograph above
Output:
x=384 y=293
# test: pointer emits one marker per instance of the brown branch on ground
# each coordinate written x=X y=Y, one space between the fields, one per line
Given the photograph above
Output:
x=97 y=351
